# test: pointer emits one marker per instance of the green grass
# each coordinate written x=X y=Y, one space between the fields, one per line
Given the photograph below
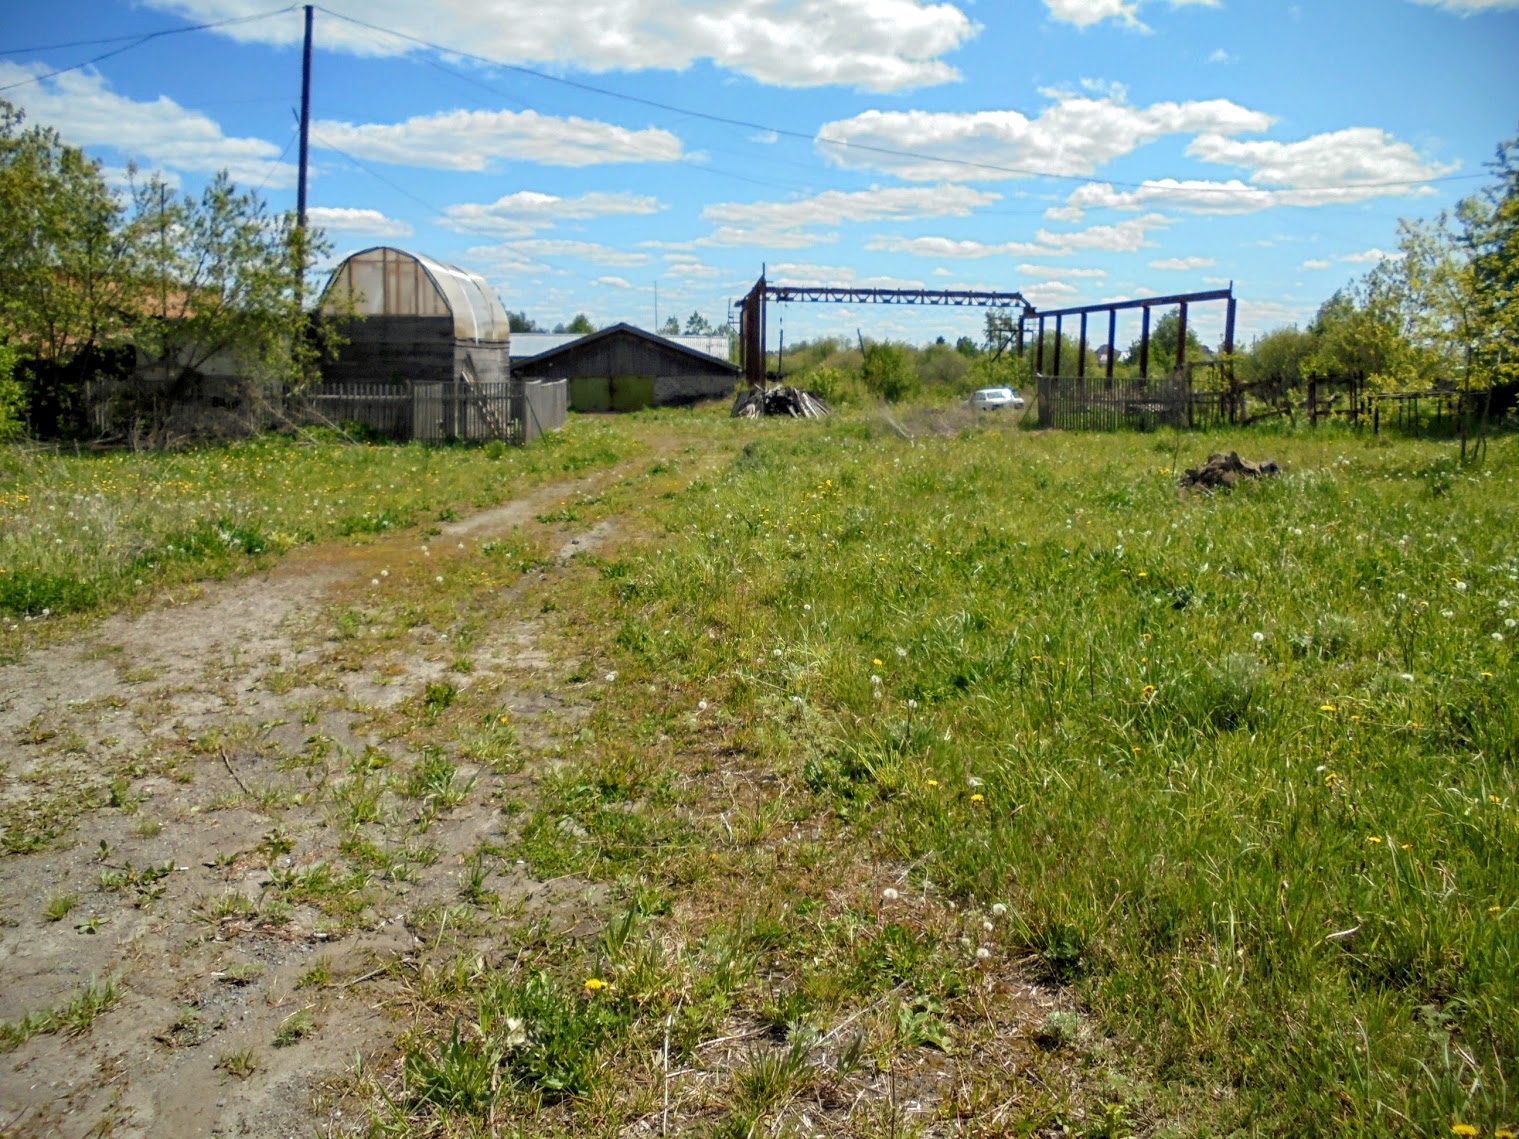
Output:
x=1240 y=767
x=85 y=532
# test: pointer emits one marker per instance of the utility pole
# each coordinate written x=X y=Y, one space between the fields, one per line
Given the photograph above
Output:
x=300 y=194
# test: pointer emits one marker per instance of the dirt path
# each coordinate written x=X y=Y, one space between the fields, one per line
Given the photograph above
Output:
x=235 y=824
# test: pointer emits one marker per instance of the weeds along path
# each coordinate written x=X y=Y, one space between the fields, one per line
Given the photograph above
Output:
x=242 y=833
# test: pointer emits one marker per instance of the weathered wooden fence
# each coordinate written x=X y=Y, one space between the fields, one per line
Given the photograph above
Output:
x=1084 y=403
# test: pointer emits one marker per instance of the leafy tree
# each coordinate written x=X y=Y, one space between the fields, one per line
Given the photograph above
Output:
x=65 y=259
x=671 y=326
x=967 y=347
x=581 y=325
x=219 y=278
x=521 y=322
x=1277 y=355
x=1490 y=232
x=889 y=372
x=698 y=325
x=12 y=395
x=1164 y=337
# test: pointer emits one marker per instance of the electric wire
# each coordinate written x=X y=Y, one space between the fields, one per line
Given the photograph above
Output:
x=138 y=41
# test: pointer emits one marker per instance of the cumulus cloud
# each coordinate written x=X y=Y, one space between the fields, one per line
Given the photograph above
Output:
x=1471 y=7
x=528 y=211
x=614 y=282
x=157 y=132
x=1344 y=166
x=786 y=223
x=1085 y=13
x=876 y=45
x=1183 y=263
x=480 y=140
x=350 y=219
x=840 y=276
x=1061 y=271
x=1122 y=237
x=1074 y=136
x=536 y=254
x=1369 y=256
x=1315 y=263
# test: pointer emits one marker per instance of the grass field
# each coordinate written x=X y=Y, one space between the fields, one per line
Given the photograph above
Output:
x=980 y=781
x=86 y=532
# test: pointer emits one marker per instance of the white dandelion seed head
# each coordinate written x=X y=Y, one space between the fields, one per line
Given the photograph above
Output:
x=999 y=910
x=982 y=953
x=901 y=652
x=1497 y=636
x=874 y=679
x=1509 y=622
x=374 y=581
x=986 y=925
x=1461 y=586
x=611 y=676
x=913 y=704
x=439 y=579
x=1257 y=636
x=889 y=894
x=1447 y=613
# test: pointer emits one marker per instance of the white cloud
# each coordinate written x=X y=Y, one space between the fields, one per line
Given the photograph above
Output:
x=1065 y=213
x=1369 y=256
x=350 y=219
x=478 y=140
x=1085 y=13
x=614 y=282
x=877 y=45
x=1061 y=271
x=1183 y=263
x=160 y=132
x=527 y=211
x=1219 y=56
x=1315 y=263
x=1351 y=165
x=781 y=223
x=839 y=276
x=1123 y=237
x=1075 y=135
x=519 y=256
x=1347 y=165
x=1471 y=7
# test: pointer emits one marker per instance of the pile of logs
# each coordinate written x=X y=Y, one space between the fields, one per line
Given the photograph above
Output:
x=783 y=400
x=1225 y=471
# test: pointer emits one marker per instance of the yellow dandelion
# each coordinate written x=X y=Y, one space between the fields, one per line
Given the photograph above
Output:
x=1328 y=708
x=1149 y=691
x=1503 y=1133
x=1463 y=1129
x=594 y=984
x=1331 y=779
x=1405 y=846
x=933 y=782
x=1374 y=838
x=1493 y=909
x=978 y=798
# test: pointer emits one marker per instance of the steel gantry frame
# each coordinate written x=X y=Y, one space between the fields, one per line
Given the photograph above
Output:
x=751 y=313
x=752 y=319
x=1180 y=300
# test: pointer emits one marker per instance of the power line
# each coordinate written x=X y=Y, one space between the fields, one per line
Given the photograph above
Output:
x=135 y=41
x=813 y=138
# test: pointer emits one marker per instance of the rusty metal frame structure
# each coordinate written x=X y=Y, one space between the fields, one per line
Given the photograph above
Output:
x=751 y=311
x=1112 y=308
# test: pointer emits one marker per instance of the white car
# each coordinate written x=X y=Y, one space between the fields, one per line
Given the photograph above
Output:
x=994 y=399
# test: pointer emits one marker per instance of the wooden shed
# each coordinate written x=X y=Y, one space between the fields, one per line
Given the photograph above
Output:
x=623 y=368
x=423 y=321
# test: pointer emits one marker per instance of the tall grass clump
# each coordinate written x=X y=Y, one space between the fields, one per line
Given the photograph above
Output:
x=1241 y=767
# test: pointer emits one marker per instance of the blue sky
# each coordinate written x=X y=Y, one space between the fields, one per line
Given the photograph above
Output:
x=586 y=156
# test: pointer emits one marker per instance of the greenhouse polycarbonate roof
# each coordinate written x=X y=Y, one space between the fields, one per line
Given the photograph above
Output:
x=386 y=281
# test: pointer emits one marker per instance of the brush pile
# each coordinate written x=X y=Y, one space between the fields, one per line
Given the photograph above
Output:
x=1226 y=470
x=752 y=403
